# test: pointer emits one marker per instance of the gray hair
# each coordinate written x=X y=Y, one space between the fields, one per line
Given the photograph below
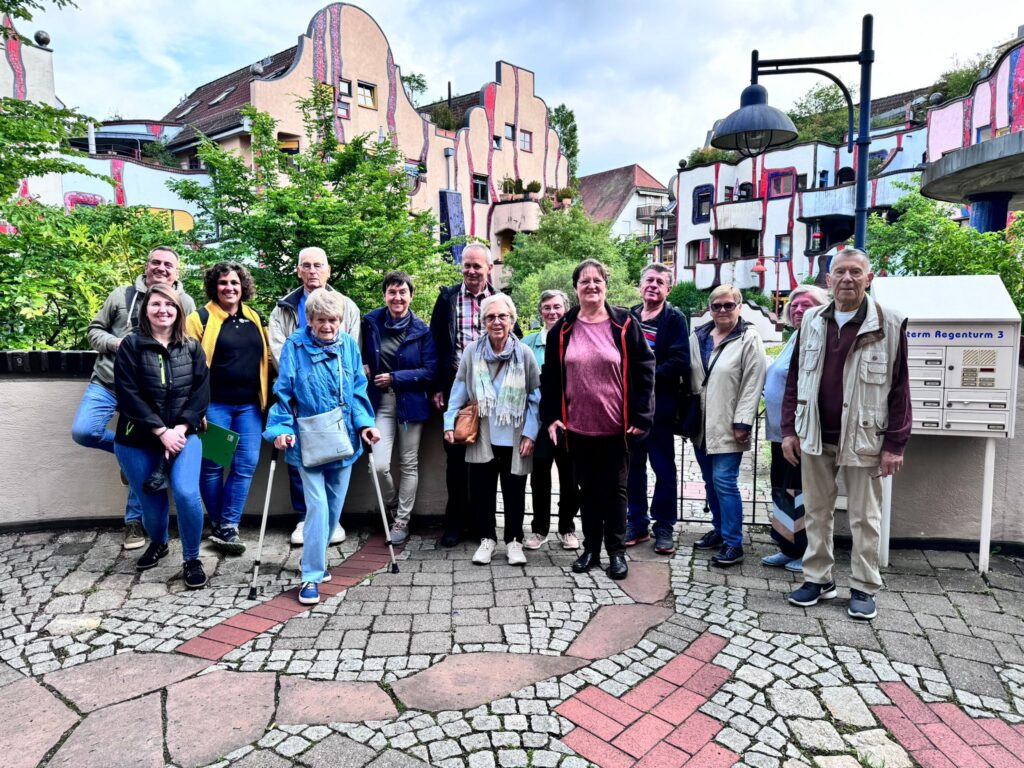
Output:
x=494 y=299
x=483 y=249
x=553 y=293
x=851 y=252
x=312 y=250
x=820 y=296
x=658 y=267
x=326 y=303
x=726 y=288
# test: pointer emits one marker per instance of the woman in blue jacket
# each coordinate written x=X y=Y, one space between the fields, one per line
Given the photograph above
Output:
x=401 y=364
x=320 y=369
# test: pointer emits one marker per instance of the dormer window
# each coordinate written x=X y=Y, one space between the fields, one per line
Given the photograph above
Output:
x=221 y=96
x=188 y=109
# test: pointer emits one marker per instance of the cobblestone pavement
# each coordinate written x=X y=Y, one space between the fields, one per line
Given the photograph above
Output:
x=450 y=664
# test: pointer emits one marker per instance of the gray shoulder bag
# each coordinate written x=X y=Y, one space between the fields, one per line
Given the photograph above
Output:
x=323 y=437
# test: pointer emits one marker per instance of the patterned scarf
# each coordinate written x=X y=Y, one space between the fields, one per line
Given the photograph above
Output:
x=508 y=405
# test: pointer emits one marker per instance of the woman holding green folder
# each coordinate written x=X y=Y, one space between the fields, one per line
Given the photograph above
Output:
x=234 y=337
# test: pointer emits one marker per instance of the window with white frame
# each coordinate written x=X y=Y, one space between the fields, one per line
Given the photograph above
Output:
x=367 y=96
x=526 y=141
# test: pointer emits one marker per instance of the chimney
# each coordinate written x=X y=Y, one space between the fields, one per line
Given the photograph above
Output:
x=91 y=134
x=449 y=94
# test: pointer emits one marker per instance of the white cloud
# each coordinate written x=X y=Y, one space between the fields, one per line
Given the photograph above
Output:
x=647 y=79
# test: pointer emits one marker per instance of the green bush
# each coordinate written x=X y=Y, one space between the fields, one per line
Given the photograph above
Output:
x=688 y=298
x=754 y=295
x=533 y=186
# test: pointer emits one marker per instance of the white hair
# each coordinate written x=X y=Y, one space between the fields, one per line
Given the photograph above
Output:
x=494 y=299
x=483 y=249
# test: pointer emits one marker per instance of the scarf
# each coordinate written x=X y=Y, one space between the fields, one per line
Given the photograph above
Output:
x=508 y=405
x=400 y=325
x=332 y=347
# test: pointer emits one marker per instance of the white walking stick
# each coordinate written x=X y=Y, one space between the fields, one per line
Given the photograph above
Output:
x=263 y=525
x=380 y=505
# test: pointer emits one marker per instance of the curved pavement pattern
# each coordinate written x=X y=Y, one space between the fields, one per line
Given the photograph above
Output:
x=450 y=664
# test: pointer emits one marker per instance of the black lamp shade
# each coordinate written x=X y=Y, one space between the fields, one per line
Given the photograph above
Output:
x=754 y=127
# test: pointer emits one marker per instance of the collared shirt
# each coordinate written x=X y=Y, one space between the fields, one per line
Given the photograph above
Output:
x=468 y=322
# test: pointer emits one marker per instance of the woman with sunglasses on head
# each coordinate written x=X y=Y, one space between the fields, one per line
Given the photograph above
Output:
x=163 y=390
x=727 y=370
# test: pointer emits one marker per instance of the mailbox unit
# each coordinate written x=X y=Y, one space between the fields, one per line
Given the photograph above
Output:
x=963 y=344
x=963 y=336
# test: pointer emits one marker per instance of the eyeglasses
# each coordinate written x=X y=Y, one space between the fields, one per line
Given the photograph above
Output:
x=317 y=266
x=595 y=281
x=503 y=318
x=725 y=306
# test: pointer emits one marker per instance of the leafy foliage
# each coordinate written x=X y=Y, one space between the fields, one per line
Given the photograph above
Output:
x=443 y=117
x=563 y=121
x=821 y=114
x=351 y=200
x=958 y=79
x=564 y=239
x=57 y=271
x=158 y=151
x=924 y=240
x=708 y=155
x=415 y=86
x=31 y=135
x=22 y=10
x=691 y=300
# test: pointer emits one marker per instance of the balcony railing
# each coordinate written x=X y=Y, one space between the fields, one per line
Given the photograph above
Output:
x=647 y=212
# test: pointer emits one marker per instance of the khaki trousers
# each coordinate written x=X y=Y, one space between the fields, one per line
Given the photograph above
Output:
x=864 y=497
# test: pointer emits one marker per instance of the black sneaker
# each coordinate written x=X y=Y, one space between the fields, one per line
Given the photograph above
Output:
x=664 y=543
x=449 y=539
x=810 y=593
x=862 y=605
x=226 y=539
x=154 y=554
x=710 y=540
x=727 y=555
x=195 y=576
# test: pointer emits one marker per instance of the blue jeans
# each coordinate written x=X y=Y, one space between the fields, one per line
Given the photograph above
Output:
x=658 y=445
x=325 y=490
x=138 y=464
x=721 y=473
x=224 y=499
x=90 y=429
x=295 y=491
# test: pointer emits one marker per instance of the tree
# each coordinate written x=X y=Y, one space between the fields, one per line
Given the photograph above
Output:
x=158 y=151
x=415 y=86
x=563 y=121
x=22 y=10
x=351 y=200
x=34 y=141
x=443 y=117
x=821 y=114
x=924 y=240
x=558 y=275
x=564 y=239
x=709 y=155
x=57 y=269
x=958 y=79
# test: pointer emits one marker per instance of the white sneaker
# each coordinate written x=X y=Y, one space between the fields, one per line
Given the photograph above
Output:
x=297 y=534
x=569 y=540
x=515 y=553
x=483 y=553
x=535 y=541
x=338 y=535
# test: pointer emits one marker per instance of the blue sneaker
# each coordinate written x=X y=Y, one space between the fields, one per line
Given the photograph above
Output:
x=727 y=555
x=778 y=560
x=810 y=593
x=309 y=594
x=862 y=605
x=795 y=566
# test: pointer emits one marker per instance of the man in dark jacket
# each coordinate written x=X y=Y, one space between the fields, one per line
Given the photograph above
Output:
x=666 y=331
x=117 y=318
x=455 y=323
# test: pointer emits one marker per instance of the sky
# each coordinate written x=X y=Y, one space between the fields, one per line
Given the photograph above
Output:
x=646 y=79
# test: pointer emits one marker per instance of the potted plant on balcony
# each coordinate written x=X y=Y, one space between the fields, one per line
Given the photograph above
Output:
x=565 y=196
x=508 y=188
x=532 y=189
x=518 y=187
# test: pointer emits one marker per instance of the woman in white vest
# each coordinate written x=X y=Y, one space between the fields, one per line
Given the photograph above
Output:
x=727 y=369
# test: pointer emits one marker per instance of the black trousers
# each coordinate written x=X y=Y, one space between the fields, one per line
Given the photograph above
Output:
x=483 y=479
x=544 y=456
x=601 y=468
x=456 y=511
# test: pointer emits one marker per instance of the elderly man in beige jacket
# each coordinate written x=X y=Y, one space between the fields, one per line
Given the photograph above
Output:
x=289 y=315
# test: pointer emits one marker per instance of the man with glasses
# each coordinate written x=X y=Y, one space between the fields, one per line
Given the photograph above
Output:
x=290 y=314
x=118 y=317
x=847 y=404
x=666 y=331
x=455 y=323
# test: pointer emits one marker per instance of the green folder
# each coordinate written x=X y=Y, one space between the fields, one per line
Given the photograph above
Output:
x=218 y=444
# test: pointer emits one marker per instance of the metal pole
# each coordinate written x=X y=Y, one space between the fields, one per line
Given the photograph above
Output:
x=987 y=489
x=886 y=528
x=867 y=57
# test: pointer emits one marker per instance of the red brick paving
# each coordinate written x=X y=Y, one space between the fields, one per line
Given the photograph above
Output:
x=219 y=640
x=639 y=730
x=944 y=736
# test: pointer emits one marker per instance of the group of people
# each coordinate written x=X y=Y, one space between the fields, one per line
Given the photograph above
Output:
x=599 y=393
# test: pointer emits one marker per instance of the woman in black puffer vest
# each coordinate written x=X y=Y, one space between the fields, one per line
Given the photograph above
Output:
x=163 y=388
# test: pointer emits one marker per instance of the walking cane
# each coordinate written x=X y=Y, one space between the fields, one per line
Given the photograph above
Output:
x=380 y=505
x=263 y=525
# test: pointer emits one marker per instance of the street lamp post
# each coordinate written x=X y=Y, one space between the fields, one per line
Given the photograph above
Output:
x=755 y=127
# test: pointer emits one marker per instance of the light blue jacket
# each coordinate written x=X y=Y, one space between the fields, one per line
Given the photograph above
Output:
x=775 y=389
x=307 y=383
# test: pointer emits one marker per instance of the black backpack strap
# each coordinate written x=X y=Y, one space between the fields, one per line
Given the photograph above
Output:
x=130 y=296
x=204 y=316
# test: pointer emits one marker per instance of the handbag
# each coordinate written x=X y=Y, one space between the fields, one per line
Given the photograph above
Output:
x=788 y=515
x=323 y=437
x=467 y=420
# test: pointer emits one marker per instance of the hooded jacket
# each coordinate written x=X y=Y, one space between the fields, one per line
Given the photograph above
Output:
x=158 y=386
x=116 y=319
x=637 y=369
x=415 y=366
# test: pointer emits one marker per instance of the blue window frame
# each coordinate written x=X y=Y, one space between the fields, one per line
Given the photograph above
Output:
x=703 y=199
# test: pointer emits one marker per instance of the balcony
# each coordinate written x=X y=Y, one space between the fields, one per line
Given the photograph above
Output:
x=747 y=214
x=516 y=216
x=831 y=201
x=647 y=212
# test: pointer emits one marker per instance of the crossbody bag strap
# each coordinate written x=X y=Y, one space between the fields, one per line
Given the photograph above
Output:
x=718 y=354
x=497 y=373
